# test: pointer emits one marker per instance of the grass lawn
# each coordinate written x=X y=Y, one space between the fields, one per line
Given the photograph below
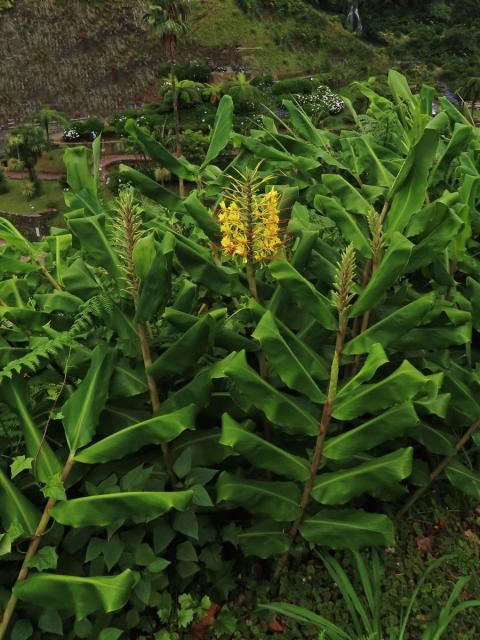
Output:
x=15 y=202
x=51 y=161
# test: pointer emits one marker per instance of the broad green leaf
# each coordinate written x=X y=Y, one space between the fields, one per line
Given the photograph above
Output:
x=82 y=410
x=15 y=507
x=346 y=193
x=79 y=596
x=435 y=338
x=155 y=289
x=151 y=188
x=128 y=381
x=390 y=269
x=261 y=150
x=431 y=246
x=104 y=509
x=183 y=354
x=348 y=529
x=313 y=620
x=250 y=390
x=222 y=129
x=264 y=540
x=387 y=426
x=434 y=439
x=284 y=361
x=410 y=186
x=392 y=326
x=79 y=176
x=350 y=227
x=303 y=293
x=277 y=500
x=203 y=271
x=155 y=431
x=304 y=125
x=156 y=151
x=400 y=90
x=143 y=255
x=91 y=235
x=202 y=216
x=261 y=453
x=464 y=479
x=403 y=384
x=45 y=461
x=338 y=487
x=375 y=359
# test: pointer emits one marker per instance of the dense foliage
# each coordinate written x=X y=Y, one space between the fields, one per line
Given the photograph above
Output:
x=275 y=361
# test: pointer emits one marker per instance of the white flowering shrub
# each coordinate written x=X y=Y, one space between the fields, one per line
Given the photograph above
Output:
x=321 y=100
x=71 y=135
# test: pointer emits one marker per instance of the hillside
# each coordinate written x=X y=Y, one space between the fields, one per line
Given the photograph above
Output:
x=88 y=57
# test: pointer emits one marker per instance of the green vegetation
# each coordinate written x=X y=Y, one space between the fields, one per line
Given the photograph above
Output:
x=15 y=200
x=201 y=393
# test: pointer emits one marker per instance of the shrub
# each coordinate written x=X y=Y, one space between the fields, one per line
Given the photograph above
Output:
x=245 y=96
x=71 y=135
x=28 y=190
x=4 y=188
x=193 y=71
x=14 y=164
x=194 y=143
x=294 y=85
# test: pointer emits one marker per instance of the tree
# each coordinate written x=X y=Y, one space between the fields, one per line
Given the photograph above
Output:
x=48 y=115
x=471 y=91
x=27 y=143
x=169 y=18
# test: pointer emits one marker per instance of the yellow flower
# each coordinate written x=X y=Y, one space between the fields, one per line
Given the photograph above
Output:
x=250 y=227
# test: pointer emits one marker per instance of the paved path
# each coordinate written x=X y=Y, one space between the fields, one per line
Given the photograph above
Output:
x=105 y=162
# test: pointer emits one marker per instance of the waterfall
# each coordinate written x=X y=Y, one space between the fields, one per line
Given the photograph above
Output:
x=354 y=20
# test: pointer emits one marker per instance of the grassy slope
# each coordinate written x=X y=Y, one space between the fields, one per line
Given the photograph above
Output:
x=94 y=57
x=14 y=201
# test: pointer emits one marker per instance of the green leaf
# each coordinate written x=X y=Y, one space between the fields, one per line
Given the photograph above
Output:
x=156 y=151
x=432 y=245
x=104 y=509
x=15 y=507
x=261 y=453
x=304 y=125
x=403 y=384
x=346 y=193
x=434 y=439
x=151 y=188
x=349 y=227
x=309 y=618
x=54 y=488
x=80 y=596
x=392 y=326
x=22 y=630
x=222 y=129
x=183 y=354
x=46 y=464
x=82 y=410
x=348 y=529
x=250 y=390
x=390 y=269
x=338 y=487
x=155 y=289
x=303 y=293
x=51 y=622
x=277 y=500
x=79 y=177
x=284 y=361
x=155 y=431
x=464 y=479
x=45 y=558
x=264 y=540
x=144 y=253
x=91 y=235
x=110 y=633
x=387 y=426
x=202 y=216
x=410 y=186
x=19 y=464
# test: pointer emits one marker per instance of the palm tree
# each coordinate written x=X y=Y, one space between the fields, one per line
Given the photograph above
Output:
x=169 y=18
x=48 y=115
x=471 y=91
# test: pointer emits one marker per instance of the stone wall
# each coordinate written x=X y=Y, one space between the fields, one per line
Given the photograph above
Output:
x=32 y=225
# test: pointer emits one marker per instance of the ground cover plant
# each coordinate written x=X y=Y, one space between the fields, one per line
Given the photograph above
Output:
x=277 y=363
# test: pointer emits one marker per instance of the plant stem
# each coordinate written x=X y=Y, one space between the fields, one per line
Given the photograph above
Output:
x=320 y=442
x=176 y=112
x=440 y=467
x=32 y=550
x=154 y=395
x=48 y=275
